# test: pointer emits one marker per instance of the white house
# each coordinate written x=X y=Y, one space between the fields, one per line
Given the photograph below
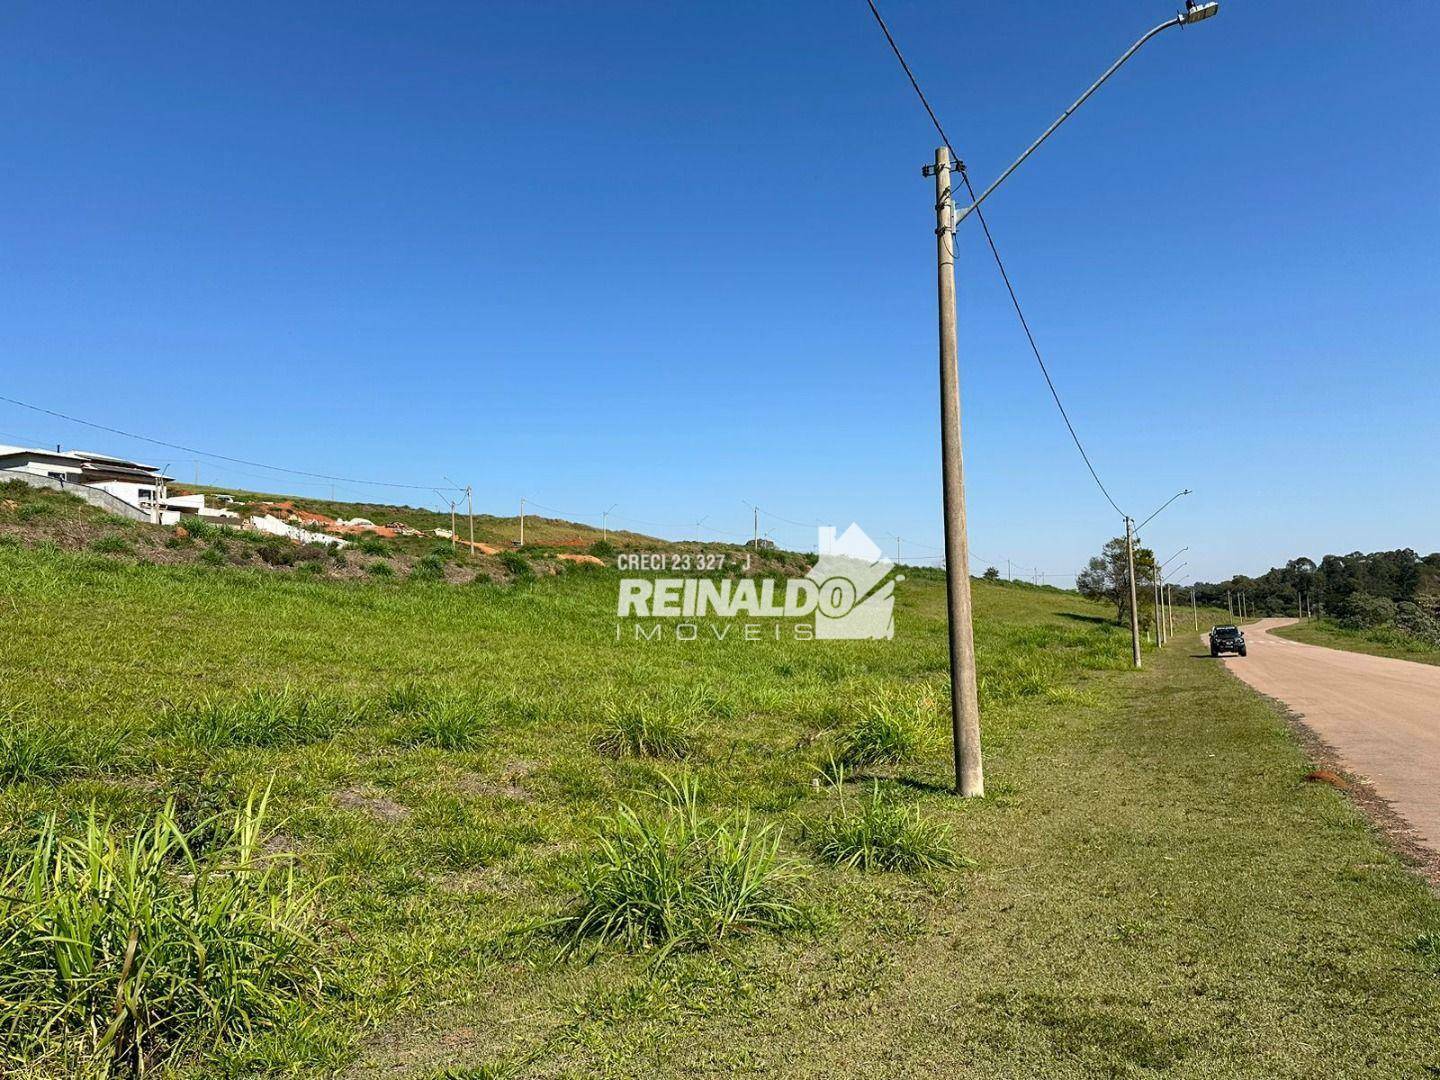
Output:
x=142 y=486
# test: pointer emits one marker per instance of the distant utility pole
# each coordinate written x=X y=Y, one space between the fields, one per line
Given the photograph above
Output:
x=755 y=540
x=470 y=509
x=1008 y=575
x=605 y=522
x=1230 y=603
x=1194 y=607
x=1134 y=609
x=964 y=697
x=522 y=520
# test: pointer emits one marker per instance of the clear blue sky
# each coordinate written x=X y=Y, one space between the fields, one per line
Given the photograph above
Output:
x=677 y=256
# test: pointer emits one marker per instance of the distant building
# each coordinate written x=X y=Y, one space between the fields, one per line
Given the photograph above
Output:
x=142 y=486
x=762 y=544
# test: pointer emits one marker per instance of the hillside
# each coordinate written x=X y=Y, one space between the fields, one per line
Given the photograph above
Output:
x=1149 y=885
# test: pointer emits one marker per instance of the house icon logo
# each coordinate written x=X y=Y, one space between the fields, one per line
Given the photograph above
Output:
x=856 y=601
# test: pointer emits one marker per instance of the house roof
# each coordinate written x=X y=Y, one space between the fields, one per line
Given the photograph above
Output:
x=86 y=460
x=81 y=456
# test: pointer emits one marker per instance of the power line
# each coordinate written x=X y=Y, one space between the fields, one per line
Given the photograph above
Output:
x=999 y=263
x=208 y=454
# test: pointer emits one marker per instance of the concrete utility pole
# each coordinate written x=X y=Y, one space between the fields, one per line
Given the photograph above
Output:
x=605 y=521
x=452 y=525
x=522 y=520
x=1194 y=607
x=470 y=509
x=1230 y=603
x=755 y=542
x=1134 y=608
x=964 y=697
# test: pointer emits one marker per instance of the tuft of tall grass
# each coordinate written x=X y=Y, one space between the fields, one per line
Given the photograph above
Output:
x=117 y=952
x=879 y=833
x=675 y=880
x=266 y=718
x=110 y=544
x=887 y=734
x=450 y=722
x=661 y=726
x=31 y=751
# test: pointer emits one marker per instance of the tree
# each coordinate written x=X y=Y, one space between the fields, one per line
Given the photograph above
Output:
x=1106 y=577
x=991 y=574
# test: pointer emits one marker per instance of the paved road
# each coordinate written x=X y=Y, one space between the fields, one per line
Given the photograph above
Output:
x=1381 y=715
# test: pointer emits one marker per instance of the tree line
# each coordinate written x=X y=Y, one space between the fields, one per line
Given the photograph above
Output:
x=1400 y=589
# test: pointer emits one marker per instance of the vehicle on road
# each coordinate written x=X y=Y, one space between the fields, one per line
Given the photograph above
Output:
x=1225 y=639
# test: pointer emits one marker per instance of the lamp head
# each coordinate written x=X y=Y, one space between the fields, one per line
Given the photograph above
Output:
x=1194 y=12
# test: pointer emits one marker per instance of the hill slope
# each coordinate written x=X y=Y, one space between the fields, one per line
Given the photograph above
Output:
x=1150 y=884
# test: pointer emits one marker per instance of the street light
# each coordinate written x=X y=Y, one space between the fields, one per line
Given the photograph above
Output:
x=964 y=697
x=1194 y=12
x=1198 y=13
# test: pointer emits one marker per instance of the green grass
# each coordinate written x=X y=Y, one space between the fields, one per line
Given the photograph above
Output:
x=667 y=877
x=650 y=725
x=120 y=947
x=882 y=833
x=1380 y=641
x=1149 y=885
x=261 y=717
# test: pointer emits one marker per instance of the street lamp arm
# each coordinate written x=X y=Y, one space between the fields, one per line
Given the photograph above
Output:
x=1178 y=20
x=1166 y=503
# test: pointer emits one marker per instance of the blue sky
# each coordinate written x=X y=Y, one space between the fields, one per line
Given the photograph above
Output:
x=676 y=256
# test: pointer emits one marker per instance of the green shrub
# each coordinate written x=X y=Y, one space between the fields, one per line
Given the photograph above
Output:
x=200 y=529
x=32 y=510
x=276 y=552
x=285 y=717
x=603 y=549
x=676 y=880
x=380 y=570
x=517 y=564
x=214 y=555
x=882 y=834
x=118 y=951
x=370 y=544
x=110 y=544
x=452 y=722
x=430 y=568
x=886 y=735
x=660 y=726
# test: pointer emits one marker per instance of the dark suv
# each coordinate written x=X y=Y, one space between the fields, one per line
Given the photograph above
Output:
x=1226 y=639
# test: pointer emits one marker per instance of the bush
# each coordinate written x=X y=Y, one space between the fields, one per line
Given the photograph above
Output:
x=882 y=834
x=285 y=717
x=119 y=951
x=370 y=544
x=214 y=555
x=200 y=529
x=33 y=510
x=380 y=570
x=276 y=552
x=661 y=727
x=517 y=564
x=452 y=722
x=886 y=735
x=676 y=880
x=430 y=568
x=110 y=544
x=603 y=549
x=1417 y=622
x=1362 y=612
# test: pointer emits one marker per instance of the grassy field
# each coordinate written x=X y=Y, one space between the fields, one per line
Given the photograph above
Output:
x=1381 y=641
x=1149 y=886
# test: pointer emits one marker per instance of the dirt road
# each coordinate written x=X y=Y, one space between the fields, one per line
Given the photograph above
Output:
x=1382 y=716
